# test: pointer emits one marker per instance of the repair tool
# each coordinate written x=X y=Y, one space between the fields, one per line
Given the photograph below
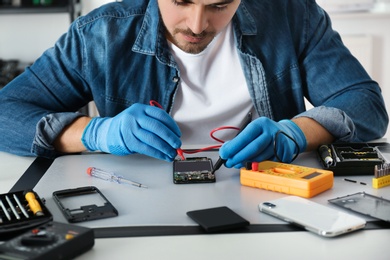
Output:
x=110 y=176
x=34 y=205
x=19 y=211
x=286 y=178
x=382 y=176
x=220 y=161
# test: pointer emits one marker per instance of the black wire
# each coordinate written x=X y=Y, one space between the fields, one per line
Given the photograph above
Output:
x=292 y=139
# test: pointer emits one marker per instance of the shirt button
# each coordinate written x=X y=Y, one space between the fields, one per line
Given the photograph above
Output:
x=175 y=79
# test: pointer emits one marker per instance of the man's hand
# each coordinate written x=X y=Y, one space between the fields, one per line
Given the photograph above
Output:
x=264 y=139
x=140 y=129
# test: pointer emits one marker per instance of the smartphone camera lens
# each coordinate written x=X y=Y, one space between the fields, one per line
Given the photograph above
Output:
x=269 y=205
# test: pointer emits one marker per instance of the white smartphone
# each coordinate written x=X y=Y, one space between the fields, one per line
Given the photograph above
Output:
x=314 y=217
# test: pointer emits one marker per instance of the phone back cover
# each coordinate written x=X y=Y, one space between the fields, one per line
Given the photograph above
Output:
x=312 y=216
x=366 y=204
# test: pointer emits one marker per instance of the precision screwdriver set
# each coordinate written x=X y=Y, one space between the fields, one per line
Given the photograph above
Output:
x=21 y=210
x=351 y=159
x=382 y=176
x=358 y=159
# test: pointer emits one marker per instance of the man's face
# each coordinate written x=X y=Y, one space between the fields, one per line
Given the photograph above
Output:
x=192 y=24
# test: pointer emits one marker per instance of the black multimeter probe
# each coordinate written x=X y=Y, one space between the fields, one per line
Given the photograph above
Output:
x=220 y=162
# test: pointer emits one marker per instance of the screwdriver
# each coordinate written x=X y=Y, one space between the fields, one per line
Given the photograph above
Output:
x=110 y=176
x=34 y=205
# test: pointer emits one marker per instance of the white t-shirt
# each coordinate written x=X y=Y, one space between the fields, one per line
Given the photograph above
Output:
x=212 y=91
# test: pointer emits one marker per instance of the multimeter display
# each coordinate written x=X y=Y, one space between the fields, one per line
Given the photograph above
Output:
x=286 y=178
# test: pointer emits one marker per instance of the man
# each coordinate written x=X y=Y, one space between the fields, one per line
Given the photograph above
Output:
x=207 y=63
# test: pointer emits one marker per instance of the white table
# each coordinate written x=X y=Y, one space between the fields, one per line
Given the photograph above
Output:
x=366 y=244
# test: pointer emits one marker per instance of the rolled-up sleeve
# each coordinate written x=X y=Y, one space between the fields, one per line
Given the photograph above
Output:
x=48 y=128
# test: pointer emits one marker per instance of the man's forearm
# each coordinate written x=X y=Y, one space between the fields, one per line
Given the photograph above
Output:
x=69 y=140
x=315 y=133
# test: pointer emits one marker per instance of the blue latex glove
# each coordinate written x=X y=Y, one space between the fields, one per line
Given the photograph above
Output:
x=140 y=129
x=256 y=143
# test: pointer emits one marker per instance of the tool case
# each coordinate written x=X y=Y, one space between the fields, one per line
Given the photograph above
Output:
x=18 y=213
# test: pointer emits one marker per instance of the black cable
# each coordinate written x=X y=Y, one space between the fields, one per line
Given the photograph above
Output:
x=289 y=137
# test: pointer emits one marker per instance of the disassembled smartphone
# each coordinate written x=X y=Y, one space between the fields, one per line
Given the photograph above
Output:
x=193 y=170
x=83 y=204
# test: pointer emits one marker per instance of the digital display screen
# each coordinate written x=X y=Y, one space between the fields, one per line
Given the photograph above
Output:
x=312 y=175
x=190 y=166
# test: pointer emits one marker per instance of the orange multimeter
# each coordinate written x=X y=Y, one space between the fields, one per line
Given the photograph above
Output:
x=286 y=178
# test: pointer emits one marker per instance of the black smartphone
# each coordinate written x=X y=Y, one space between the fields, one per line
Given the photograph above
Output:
x=193 y=170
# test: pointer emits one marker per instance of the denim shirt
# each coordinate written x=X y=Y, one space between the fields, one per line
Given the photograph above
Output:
x=117 y=55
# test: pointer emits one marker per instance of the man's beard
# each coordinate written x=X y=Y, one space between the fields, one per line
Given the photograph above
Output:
x=189 y=47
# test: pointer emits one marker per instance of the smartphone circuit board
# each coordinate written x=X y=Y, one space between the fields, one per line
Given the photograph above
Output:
x=193 y=170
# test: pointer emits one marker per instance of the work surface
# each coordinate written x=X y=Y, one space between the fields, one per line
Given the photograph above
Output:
x=166 y=204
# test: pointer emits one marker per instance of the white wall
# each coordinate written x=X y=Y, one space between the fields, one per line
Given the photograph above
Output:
x=26 y=36
x=89 y=5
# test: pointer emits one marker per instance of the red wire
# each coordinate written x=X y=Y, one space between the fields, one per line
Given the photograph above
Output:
x=154 y=103
x=192 y=151
x=219 y=129
x=181 y=152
